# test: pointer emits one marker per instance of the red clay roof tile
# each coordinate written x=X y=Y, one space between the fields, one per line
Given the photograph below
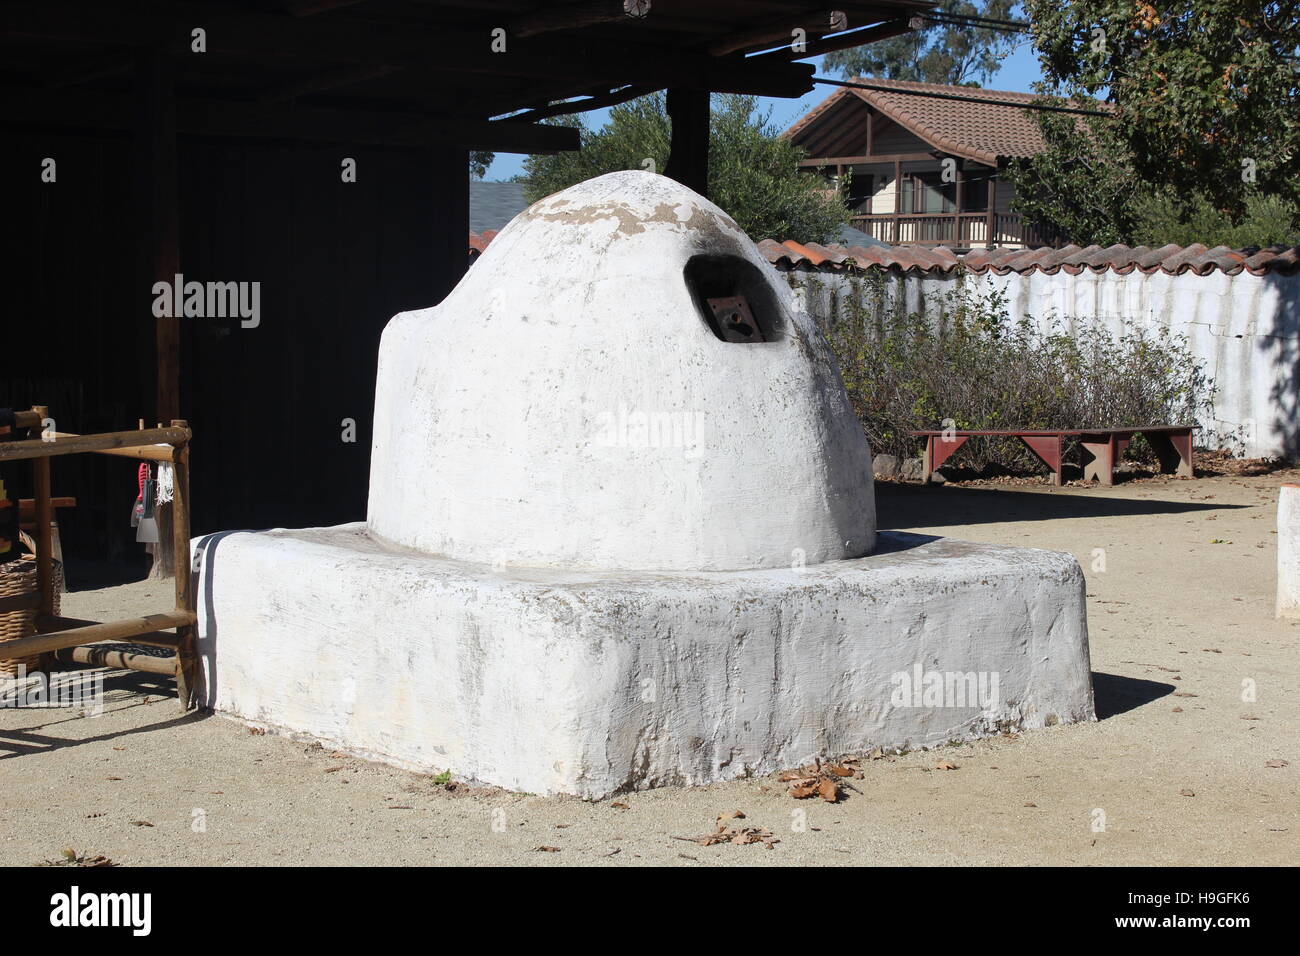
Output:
x=1170 y=259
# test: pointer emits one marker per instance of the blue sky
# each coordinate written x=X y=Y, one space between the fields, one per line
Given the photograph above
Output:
x=1018 y=72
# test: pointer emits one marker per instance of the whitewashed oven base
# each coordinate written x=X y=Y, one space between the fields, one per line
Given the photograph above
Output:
x=584 y=683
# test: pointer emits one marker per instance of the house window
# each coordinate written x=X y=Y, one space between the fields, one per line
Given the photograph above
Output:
x=927 y=192
x=975 y=194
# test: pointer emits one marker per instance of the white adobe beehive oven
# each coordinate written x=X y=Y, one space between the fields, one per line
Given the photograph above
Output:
x=502 y=427
x=621 y=534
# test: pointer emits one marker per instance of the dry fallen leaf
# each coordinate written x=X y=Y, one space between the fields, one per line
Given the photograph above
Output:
x=1275 y=764
x=1187 y=793
x=620 y=805
x=947 y=765
x=829 y=790
x=803 y=792
x=546 y=849
x=141 y=823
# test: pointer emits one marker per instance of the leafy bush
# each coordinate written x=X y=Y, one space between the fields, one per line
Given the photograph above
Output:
x=963 y=362
x=1162 y=218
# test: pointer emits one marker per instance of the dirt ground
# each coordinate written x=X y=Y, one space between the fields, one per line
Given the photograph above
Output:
x=1175 y=771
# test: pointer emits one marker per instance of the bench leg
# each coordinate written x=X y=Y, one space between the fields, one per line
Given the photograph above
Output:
x=1100 y=453
x=1174 y=449
x=938 y=450
x=1048 y=448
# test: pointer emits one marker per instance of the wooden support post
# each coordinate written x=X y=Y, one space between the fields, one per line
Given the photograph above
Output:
x=688 y=155
x=449 y=179
x=44 y=537
x=990 y=214
x=958 y=199
x=187 y=645
x=159 y=195
x=895 y=232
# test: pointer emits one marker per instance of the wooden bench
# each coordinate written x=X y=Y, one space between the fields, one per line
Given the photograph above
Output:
x=1102 y=447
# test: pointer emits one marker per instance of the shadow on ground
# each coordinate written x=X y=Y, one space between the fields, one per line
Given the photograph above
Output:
x=122 y=690
x=938 y=506
x=1117 y=695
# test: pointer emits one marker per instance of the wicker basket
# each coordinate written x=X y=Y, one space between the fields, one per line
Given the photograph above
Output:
x=18 y=578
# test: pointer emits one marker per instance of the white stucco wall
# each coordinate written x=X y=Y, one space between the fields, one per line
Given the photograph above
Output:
x=1245 y=328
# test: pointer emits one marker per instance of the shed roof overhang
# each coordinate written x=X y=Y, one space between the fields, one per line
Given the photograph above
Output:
x=409 y=72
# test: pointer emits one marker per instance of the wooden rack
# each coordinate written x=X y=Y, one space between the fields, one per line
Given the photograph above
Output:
x=72 y=638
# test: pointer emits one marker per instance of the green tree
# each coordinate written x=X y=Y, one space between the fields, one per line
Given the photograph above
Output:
x=753 y=172
x=941 y=53
x=479 y=161
x=1206 y=92
x=1083 y=184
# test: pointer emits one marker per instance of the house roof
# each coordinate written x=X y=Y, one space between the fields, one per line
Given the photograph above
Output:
x=1072 y=260
x=492 y=205
x=978 y=131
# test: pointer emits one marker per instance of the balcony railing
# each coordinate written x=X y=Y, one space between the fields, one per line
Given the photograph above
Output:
x=957 y=230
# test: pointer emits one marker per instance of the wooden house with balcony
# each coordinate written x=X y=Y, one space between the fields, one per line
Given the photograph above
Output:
x=922 y=163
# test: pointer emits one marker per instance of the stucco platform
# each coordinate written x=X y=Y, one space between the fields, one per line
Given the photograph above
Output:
x=591 y=683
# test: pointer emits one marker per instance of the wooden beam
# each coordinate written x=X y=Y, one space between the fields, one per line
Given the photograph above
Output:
x=236 y=33
x=112 y=631
x=842 y=41
x=878 y=158
x=136 y=452
x=47 y=623
x=101 y=656
x=688 y=156
x=571 y=16
x=99 y=110
x=309 y=8
x=612 y=98
x=108 y=66
x=320 y=82
x=104 y=442
x=813 y=22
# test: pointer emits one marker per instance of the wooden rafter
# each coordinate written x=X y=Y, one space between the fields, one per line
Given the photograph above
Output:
x=569 y=16
x=815 y=22
x=95 y=109
x=594 y=102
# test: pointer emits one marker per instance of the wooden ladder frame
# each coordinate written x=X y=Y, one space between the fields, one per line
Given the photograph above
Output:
x=75 y=639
